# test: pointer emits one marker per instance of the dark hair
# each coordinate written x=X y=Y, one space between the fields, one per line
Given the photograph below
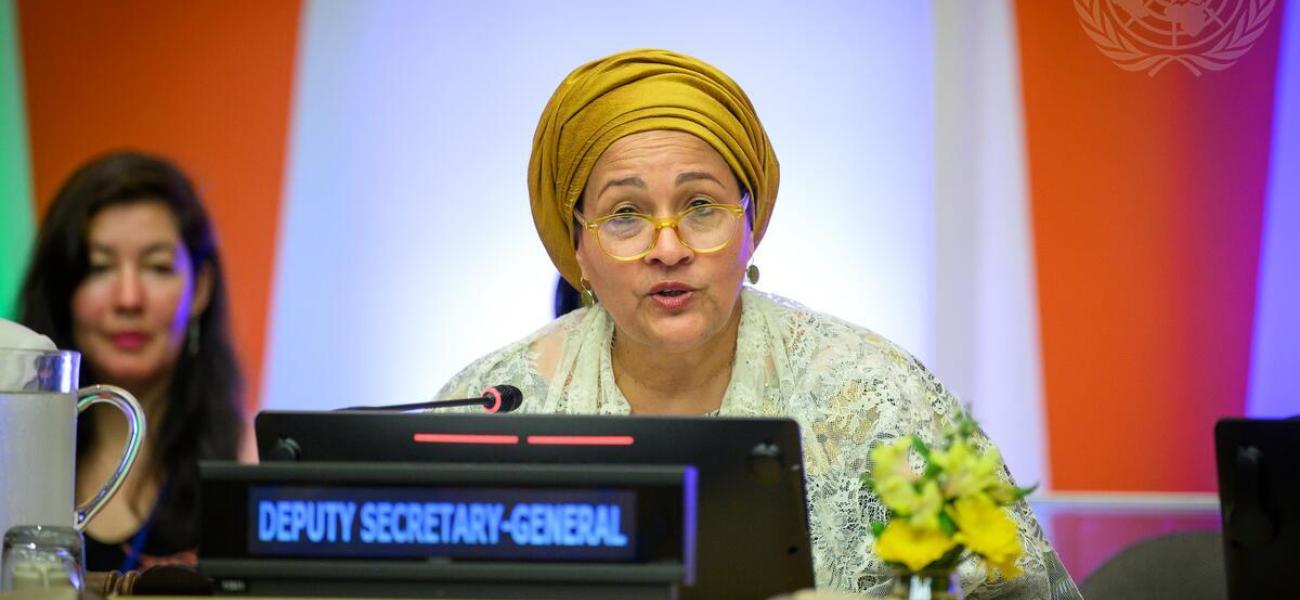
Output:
x=567 y=299
x=203 y=418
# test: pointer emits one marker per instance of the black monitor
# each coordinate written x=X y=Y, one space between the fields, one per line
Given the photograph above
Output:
x=753 y=536
x=1259 y=493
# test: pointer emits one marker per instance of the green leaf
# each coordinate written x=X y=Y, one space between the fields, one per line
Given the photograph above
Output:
x=1021 y=492
x=877 y=528
x=950 y=558
x=919 y=445
x=968 y=427
x=946 y=523
x=966 y=424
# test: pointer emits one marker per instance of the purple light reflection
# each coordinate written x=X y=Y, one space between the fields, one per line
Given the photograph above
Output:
x=1275 y=357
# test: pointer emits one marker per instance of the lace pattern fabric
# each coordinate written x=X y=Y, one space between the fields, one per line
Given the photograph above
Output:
x=847 y=387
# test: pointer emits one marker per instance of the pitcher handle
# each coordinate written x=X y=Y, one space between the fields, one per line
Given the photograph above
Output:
x=125 y=402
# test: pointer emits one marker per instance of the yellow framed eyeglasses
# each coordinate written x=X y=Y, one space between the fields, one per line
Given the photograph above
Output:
x=703 y=228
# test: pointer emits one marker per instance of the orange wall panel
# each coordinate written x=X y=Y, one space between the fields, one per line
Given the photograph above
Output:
x=1146 y=194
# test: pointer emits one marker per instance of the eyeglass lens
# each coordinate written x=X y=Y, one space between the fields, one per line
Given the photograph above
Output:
x=703 y=228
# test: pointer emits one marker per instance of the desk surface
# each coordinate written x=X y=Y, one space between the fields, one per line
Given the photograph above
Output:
x=49 y=594
x=1088 y=528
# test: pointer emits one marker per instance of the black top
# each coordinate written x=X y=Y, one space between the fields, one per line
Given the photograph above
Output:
x=146 y=547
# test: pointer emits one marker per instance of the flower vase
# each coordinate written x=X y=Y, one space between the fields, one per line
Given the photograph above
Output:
x=925 y=585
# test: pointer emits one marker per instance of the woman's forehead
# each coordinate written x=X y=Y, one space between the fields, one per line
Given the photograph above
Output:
x=682 y=157
x=146 y=223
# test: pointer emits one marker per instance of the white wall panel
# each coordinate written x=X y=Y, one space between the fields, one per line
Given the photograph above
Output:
x=987 y=297
x=407 y=248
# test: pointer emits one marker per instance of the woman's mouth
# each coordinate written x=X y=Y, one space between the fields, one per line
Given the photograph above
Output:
x=129 y=340
x=671 y=296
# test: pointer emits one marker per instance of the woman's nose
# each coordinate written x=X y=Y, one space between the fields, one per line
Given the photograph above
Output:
x=129 y=292
x=669 y=249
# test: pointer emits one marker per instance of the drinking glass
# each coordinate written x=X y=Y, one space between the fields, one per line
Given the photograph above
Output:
x=42 y=556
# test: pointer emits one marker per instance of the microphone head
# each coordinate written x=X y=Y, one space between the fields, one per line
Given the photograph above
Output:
x=502 y=398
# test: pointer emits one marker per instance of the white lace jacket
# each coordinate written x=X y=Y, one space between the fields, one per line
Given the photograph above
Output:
x=847 y=387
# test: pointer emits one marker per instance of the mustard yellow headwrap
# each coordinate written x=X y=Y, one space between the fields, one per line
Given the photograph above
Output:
x=631 y=92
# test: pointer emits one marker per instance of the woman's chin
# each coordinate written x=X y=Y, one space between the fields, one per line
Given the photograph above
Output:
x=686 y=334
x=127 y=373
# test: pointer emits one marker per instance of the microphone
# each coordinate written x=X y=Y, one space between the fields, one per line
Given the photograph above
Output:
x=496 y=399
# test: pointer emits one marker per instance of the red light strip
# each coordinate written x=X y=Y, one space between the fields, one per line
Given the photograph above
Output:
x=580 y=440
x=464 y=438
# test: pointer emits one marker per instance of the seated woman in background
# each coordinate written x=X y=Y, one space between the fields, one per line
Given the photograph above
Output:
x=126 y=271
x=652 y=181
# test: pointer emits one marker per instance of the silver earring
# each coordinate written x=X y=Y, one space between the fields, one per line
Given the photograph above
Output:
x=192 y=341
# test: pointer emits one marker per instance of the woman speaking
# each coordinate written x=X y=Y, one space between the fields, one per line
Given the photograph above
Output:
x=652 y=181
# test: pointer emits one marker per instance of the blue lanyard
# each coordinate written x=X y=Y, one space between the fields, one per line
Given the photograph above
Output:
x=132 y=559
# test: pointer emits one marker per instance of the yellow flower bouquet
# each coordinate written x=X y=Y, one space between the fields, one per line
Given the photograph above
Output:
x=954 y=507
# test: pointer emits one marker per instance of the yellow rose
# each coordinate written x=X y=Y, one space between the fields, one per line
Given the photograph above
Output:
x=986 y=529
x=889 y=463
x=920 y=508
x=899 y=495
x=914 y=547
x=1008 y=569
x=924 y=511
x=966 y=472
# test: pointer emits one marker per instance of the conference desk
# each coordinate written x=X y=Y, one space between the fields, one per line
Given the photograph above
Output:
x=1086 y=529
x=70 y=595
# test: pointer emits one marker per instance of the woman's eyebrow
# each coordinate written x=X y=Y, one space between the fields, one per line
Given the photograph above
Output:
x=157 y=247
x=696 y=176
x=150 y=249
x=634 y=181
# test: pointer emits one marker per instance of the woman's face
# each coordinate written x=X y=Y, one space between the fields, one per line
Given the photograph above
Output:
x=131 y=312
x=673 y=299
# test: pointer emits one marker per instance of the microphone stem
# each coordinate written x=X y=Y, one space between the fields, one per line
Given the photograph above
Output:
x=419 y=405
